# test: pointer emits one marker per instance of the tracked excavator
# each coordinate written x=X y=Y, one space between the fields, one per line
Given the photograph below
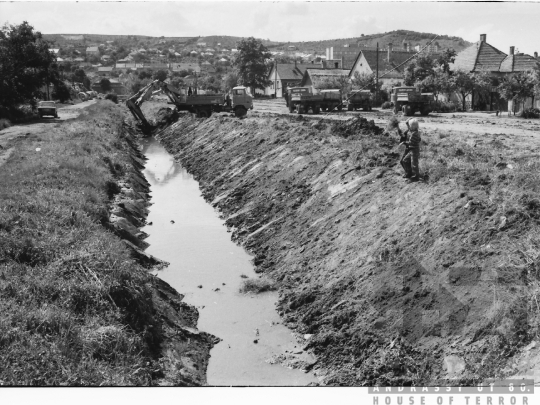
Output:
x=203 y=105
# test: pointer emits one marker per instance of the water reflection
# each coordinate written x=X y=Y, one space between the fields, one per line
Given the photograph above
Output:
x=205 y=266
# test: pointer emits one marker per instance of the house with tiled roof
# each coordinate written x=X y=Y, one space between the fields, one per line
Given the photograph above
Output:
x=483 y=57
x=478 y=57
x=391 y=64
x=105 y=70
x=284 y=75
x=92 y=51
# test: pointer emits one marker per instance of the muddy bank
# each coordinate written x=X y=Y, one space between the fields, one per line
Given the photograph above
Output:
x=390 y=282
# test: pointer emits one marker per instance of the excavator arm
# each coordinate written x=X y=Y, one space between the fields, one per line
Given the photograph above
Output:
x=134 y=102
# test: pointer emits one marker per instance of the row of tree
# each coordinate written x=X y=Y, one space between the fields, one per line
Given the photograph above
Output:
x=434 y=75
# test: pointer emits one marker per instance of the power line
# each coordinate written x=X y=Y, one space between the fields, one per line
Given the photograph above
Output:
x=397 y=67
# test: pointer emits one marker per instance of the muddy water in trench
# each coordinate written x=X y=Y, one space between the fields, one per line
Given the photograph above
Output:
x=201 y=253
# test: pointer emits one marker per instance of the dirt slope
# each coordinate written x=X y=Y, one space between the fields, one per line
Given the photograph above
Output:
x=392 y=282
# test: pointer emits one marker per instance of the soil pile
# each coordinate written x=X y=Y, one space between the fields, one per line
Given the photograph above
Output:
x=392 y=282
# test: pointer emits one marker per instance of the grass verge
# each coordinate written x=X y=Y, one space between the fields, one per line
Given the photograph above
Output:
x=76 y=309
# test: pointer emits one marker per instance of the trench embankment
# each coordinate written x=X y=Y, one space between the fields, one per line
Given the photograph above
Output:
x=79 y=304
x=391 y=282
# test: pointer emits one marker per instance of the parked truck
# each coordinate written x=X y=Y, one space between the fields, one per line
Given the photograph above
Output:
x=409 y=100
x=202 y=105
x=332 y=100
x=302 y=100
x=359 y=99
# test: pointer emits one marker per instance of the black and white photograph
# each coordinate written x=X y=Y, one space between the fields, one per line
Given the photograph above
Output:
x=258 y=202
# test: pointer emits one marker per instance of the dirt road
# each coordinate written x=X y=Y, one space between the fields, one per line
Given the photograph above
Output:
x=475 y=123
x=37 y=127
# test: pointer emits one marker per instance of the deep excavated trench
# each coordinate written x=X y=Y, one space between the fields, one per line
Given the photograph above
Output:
x=207 y=266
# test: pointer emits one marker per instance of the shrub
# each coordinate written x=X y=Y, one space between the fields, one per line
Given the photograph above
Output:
x=258 y=285
x=4 y=124
x=444 y=106
x=531 y=113
x=112 y=97
x=387 y=105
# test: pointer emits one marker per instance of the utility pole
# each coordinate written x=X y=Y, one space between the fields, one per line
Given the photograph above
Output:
x=275 y=81
x=377 y=77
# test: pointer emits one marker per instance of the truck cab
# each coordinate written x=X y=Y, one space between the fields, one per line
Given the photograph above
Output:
x=241 y=98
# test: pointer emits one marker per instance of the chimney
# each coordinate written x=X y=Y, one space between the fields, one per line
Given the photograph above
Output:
x=482 y=37
x=536 y=55
x=389 y=51
x=511 y=50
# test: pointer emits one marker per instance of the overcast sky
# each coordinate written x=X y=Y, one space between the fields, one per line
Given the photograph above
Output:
x=505 y=24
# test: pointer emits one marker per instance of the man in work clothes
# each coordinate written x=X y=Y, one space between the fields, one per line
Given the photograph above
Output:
x=412 y=153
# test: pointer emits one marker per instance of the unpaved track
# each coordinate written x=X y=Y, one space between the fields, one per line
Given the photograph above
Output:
x=474 y=123
x=37 y=127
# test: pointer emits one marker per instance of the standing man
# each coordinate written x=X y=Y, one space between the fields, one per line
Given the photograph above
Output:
x=189 y=92
x=410 y=160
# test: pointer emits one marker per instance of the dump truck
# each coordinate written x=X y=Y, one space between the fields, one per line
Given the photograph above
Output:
x=359 y=99
x=302 y=100
x=409 y=100
x=332 y=100
x=202 y=105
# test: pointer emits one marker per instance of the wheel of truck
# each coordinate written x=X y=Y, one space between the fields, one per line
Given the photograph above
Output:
x=240 y=112
x=316 y=110
x=349 y=107
x=340 y=107
x=202 y=114
x=424 y=111
x=407 y=110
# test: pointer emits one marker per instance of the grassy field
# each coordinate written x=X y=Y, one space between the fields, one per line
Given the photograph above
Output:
x=76 y=308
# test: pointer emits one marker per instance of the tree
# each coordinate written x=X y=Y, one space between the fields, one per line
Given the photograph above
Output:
x=160 y=75
x=420 y=68
x=250 y=62
x=518 y=87
x=445 y=58
x=337 y=82
x=61 y=92
x=26 y=64
x=105 y=85
x=437 y=83
x=231 y=80
x=465 y=83
x=143 y=74
x=365 y=81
